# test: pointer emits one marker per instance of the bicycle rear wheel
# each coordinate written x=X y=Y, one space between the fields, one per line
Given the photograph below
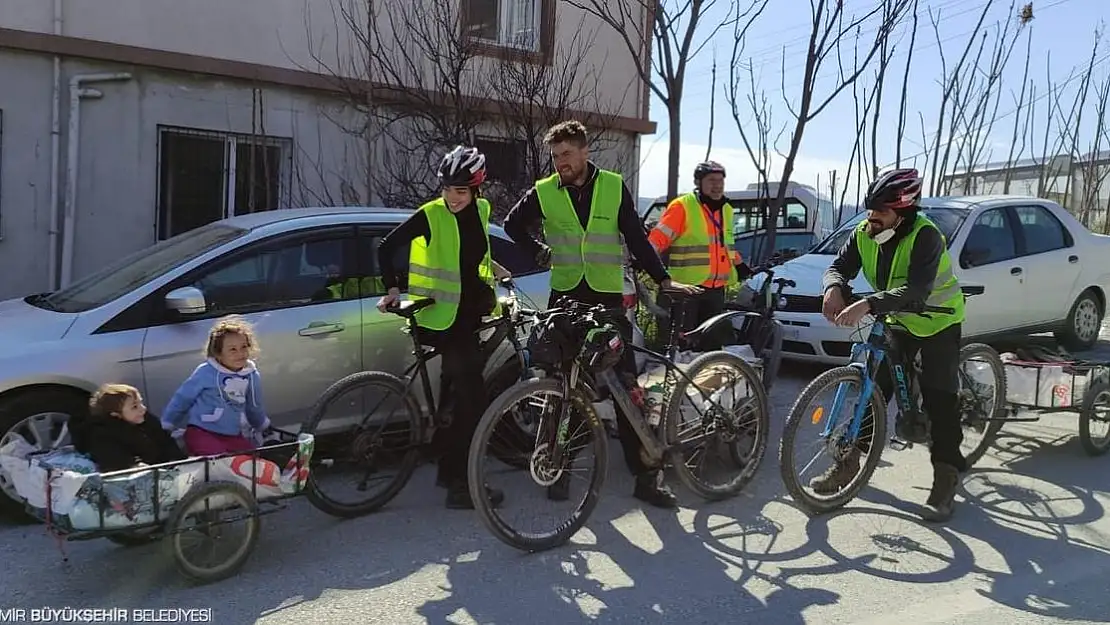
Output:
x=385 y=456
x=980 y=365
x=541 y=478
x=723 y=399
x=871 y=438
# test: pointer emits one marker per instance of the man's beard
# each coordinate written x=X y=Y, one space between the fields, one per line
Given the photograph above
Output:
x=874 y=227
x=571 y=174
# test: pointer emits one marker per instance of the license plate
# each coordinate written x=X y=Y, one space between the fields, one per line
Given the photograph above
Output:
x=790 y=333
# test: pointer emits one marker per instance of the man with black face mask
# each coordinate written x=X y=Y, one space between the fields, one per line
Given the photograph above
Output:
x=904 y=258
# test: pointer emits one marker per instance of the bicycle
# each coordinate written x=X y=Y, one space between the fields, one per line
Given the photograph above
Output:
x=404 y=435
x=760 y=329
x=574 y=369
x=841 y=437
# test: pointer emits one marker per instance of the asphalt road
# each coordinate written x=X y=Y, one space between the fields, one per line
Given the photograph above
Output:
x=1029 y=544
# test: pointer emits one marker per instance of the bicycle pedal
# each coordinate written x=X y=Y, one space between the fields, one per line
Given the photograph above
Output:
x=898 y=444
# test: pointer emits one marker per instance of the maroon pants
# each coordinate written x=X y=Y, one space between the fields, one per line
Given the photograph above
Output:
x=201 y=442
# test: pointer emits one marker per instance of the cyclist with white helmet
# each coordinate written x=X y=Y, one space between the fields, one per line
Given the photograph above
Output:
x=695 y=233
x=903 y=256
x=449 y=262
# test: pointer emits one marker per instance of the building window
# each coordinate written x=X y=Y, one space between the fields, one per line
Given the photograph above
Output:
x=207 y=176
x=505 y=159
x=513 y=24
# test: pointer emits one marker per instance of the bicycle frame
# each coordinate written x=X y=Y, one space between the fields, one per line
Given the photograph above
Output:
x=868 y=357
x=504 y=326
x=653 y=446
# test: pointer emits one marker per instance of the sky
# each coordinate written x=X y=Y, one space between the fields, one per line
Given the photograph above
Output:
x=1061 y=38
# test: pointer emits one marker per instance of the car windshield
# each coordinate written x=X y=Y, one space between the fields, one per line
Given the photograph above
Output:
x=135 y=270
x=947 y=219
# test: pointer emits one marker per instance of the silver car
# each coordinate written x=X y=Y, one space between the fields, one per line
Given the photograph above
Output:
x=144 y=321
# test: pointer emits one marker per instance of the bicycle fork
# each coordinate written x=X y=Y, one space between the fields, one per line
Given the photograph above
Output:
x=867 y=387
x=559 y=438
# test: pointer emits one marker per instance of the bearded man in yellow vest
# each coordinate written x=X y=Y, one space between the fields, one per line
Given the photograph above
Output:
x=584 y=211
x=450 y=263
x=695 y=232
x=904 y=258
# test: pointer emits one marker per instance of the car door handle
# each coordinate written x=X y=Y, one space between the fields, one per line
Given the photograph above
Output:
x=1015 y=271
x=317 y=328
x=1073 y=259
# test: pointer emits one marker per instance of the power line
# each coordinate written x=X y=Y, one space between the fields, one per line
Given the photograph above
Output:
x=932 y=45
x=775 y=54
x=766 y=54
x=1023 y=105
x=916 y=48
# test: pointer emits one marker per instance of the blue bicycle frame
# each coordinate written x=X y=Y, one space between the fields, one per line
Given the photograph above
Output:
x=867 y=357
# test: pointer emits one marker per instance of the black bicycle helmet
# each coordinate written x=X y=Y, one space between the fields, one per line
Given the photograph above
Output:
x=601 y=348
x=896 y=189
x=706 y=168
x=463 y=167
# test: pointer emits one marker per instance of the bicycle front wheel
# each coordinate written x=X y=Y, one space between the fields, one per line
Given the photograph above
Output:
x=567 y=481
x=846 y=473
x=377 y=459
x=717 y=416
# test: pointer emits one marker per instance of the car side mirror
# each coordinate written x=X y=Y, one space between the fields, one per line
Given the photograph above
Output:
x=974 y=256
x=187 y=300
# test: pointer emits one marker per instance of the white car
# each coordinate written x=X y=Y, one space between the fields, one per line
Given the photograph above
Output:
x=1042 y=270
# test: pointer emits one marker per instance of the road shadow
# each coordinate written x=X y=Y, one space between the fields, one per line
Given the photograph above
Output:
x=888 y=541
x=631 y=564
x=1037 y=512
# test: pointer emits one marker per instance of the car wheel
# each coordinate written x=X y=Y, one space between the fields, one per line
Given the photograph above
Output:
x=40 y=418
x=1083 y=323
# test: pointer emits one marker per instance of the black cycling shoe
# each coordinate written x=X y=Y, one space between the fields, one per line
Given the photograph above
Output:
x=458 y=497
x=560 y=490
x=651 y=490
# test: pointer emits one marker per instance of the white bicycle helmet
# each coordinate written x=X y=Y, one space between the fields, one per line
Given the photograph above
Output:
x=463 y=167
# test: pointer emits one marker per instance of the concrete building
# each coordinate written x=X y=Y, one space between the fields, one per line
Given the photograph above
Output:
x=1080 y=184
x=123 y=122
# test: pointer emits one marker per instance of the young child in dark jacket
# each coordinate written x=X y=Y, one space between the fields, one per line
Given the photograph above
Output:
x=119 y=434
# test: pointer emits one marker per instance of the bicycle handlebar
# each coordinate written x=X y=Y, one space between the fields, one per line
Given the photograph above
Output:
x=919 y=309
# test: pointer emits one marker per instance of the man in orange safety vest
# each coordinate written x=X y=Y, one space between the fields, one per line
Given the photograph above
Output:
x=696 y=234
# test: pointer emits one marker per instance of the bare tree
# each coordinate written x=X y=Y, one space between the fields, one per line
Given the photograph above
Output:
x=1073 y=129
x=532 y=97
x=712 y=105
x=746 y=102
x=950 y=78
x=882 y=60
x=830 y=30
x=1019 y=103
x=411 y=88
x=1094 y=167
x=1047 y=150
x=970 y=100
x=980 y=124
x=900 y=133
x=857 y=160
x=677 y=34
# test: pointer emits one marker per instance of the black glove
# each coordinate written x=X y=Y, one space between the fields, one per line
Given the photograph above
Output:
x=743 y=271
x=543 y=256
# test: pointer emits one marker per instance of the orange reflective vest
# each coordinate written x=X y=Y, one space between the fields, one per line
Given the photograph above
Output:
x=693 y=243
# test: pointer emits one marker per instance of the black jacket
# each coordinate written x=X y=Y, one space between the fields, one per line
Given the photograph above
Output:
x=114 y=444
x=925 y=257
x=527 y=215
